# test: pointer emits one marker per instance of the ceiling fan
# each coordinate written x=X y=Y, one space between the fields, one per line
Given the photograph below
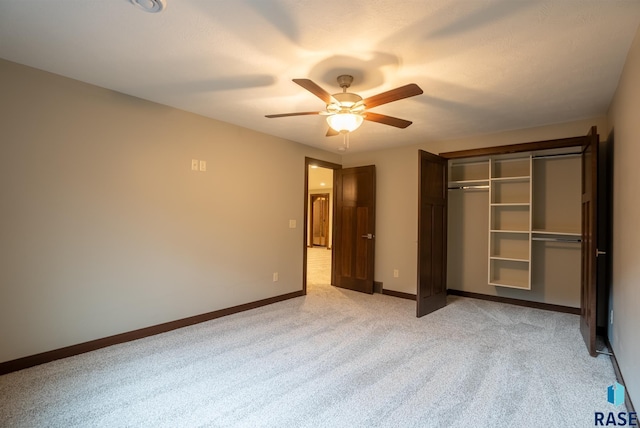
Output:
x=345 y=111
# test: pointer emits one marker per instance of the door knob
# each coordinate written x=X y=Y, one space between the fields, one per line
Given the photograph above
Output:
x=600 y=253
x=369 y=236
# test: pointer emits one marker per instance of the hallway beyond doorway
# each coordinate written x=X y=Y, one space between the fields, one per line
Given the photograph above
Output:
x=318 y=265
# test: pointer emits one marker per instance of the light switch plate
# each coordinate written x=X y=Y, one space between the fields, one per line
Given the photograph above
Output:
x=292 y=224
x=194 y=164
x=203 y=165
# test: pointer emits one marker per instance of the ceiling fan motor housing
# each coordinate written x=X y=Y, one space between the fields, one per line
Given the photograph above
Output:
x=346 y=102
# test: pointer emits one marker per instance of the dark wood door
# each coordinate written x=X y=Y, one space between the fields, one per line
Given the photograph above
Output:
x=588 y=293
x=432 y=234
x=320 y=219
x=354 y=236
x=605 y=233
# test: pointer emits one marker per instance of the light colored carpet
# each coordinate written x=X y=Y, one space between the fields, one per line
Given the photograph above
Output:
x=333 y=358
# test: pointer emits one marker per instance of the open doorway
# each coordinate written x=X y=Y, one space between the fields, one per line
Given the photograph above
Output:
x=320 y=225
x=319 y=219
x=319 y=212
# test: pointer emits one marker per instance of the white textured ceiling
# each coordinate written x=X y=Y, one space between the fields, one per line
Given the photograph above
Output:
x=484 y=66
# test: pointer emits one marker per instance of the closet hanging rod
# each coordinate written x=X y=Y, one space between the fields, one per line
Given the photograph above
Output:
x=478 y=187
x=568 y=240
x=560 y=155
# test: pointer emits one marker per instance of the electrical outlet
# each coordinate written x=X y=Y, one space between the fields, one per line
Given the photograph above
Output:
x=275 y=277
x=396 y=273
x=292 y=224
x=194 y=164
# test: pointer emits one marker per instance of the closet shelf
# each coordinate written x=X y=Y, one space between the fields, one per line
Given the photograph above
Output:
x=548 y=232
x=520 y=178
x=566 y=240
x=510 y=285
x=509 y=231
x=511 y=204
x=510 y=259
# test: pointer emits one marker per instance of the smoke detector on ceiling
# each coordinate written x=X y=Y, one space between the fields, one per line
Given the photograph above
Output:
x=151 y=6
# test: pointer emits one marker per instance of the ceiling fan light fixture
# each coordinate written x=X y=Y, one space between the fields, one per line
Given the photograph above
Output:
x=345 y=122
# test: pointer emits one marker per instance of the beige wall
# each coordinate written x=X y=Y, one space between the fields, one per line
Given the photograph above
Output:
x=397 y=193
x=624 y=118
x=105 y=228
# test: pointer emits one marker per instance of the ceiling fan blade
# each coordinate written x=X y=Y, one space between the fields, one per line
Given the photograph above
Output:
x=315 y=90
x=387 y=120
x=332 y=132
x=396 y=94
x=302 y=113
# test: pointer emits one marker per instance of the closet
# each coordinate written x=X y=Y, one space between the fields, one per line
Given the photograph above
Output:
x=514 y=226
x=519 y=224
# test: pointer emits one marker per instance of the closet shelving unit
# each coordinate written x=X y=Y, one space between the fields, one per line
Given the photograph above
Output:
x=509 y=183
x=510 y=222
